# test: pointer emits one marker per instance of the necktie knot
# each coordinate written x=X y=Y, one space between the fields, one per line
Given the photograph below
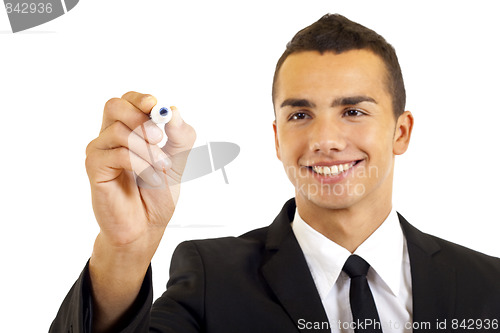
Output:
x=356 y=266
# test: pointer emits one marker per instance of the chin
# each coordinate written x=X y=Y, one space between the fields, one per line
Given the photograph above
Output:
x=327 y=201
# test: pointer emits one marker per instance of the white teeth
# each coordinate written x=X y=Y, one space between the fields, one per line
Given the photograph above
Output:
x=333 y=170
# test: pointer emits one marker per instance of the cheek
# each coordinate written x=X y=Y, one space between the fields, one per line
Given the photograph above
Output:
x=375 y=141
x=365 y=135
x=290 y=147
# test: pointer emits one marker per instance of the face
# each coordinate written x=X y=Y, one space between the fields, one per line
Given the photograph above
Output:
x=335 y=130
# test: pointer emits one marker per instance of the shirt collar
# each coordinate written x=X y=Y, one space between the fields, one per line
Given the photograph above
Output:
x=383 y=250
x=326 y=258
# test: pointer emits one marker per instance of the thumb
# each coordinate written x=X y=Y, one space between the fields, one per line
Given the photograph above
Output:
x=181 y=137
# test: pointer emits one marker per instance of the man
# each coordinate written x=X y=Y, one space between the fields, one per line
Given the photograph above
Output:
x=336 y=258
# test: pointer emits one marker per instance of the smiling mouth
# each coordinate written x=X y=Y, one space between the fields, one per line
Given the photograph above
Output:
x=333 y=170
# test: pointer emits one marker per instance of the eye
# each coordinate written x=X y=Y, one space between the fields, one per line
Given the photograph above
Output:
x=353 y=113
x=298 y=116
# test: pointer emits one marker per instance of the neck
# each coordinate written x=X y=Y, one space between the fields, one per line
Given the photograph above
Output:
x=349 y=226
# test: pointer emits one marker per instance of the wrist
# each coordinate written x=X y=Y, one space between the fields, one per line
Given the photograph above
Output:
x=121 y=263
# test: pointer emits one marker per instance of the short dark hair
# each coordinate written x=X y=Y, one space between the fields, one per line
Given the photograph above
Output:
x=335 y=33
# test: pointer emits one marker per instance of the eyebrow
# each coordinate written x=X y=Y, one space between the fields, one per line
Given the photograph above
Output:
x=352 y=100
x=296 y=102
x=341 y=101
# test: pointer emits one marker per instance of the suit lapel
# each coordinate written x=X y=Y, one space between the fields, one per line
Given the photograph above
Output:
x=433 y=280
x=288 y=275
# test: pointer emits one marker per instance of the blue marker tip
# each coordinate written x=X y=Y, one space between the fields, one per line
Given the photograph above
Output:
x=160 y=114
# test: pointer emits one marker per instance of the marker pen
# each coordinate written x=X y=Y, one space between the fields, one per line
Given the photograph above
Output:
x=160 y=114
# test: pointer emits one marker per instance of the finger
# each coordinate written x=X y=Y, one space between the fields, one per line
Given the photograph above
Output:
x=181 y=137
x=143 y=102
x=119 y=109
x=118 y=135
x=107 y=165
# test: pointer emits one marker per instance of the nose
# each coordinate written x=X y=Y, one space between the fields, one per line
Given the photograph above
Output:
x=326 y=135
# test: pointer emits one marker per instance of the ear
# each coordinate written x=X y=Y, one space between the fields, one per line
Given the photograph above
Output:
x=276 y=141
x=402 y=134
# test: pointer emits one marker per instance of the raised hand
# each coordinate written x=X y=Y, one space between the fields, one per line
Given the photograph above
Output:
x=135 y=186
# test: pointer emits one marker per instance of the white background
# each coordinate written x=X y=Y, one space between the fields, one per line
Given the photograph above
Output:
x=215 y=61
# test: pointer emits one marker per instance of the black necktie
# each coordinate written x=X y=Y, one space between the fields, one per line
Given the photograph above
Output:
x=363 y=308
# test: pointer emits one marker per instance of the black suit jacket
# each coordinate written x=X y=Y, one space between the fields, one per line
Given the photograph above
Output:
x=260 y=282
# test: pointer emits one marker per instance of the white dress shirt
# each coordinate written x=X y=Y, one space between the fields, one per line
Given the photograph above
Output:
x=389 y=275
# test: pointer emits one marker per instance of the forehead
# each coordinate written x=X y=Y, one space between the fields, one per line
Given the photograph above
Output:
x=313 y=75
